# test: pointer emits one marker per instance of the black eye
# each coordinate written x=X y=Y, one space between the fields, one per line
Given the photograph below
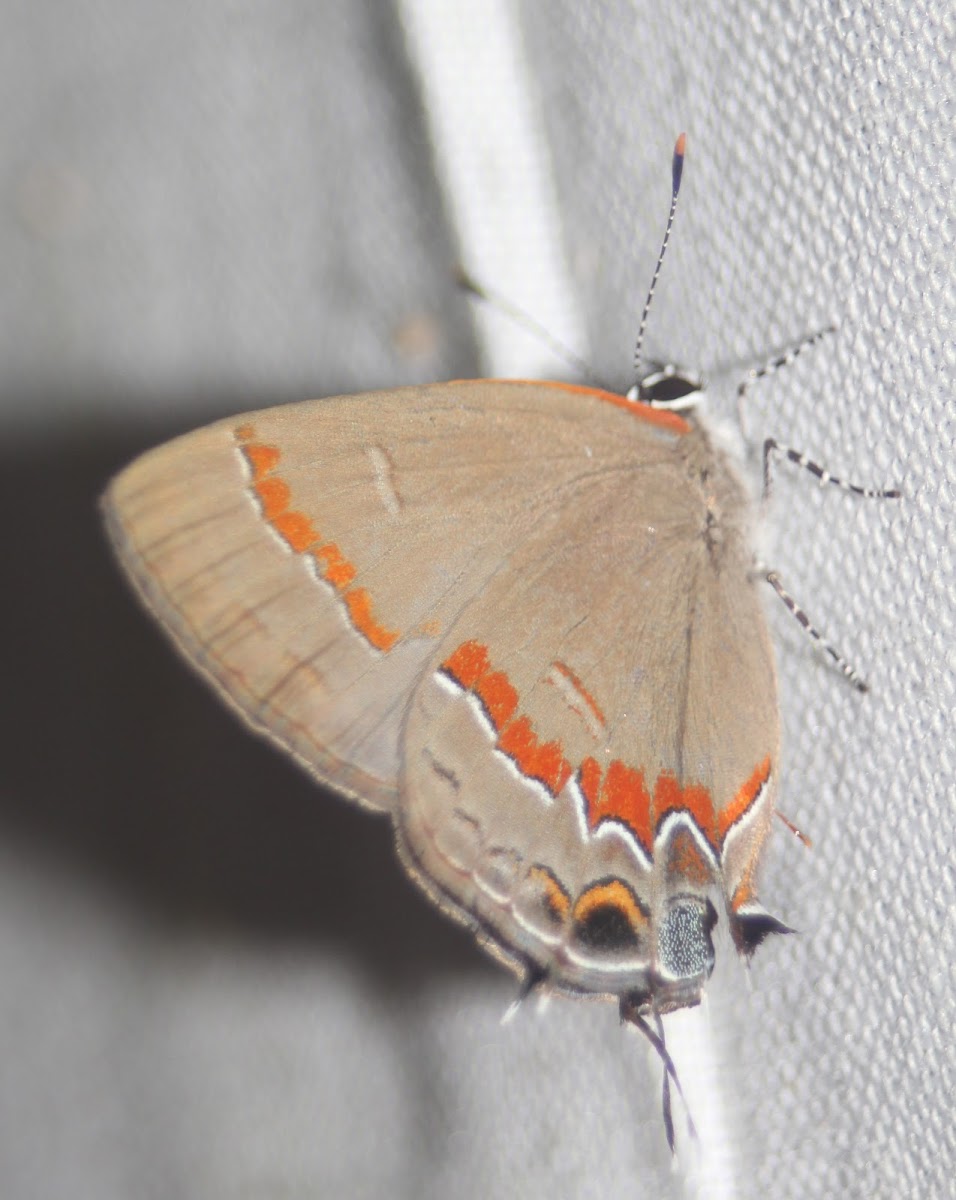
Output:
x=667 y=385
x=684 y=946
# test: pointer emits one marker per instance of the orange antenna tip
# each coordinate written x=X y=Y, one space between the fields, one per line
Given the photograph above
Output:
x=678 y=166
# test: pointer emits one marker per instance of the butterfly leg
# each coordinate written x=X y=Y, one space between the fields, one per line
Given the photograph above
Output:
x=845 y=667
x=771 y=447
x=774 y=364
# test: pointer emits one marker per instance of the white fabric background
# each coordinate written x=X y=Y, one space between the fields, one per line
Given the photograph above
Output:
x=214 y=980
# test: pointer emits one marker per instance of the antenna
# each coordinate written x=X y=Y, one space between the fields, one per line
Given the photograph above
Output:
x=630 y=1009
x=523 y=320
x=677 y=168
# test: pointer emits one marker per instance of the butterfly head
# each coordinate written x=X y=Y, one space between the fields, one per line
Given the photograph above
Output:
x=666 y=386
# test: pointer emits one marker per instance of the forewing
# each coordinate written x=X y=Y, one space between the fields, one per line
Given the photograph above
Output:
x=307 y=559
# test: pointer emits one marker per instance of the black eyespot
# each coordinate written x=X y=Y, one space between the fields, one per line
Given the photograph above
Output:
x=751 y=928
x=606 y=928
x=684 y=946
x=608 y=917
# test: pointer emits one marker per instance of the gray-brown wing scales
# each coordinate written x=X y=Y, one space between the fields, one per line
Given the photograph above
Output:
x=308 y=559
x=589 y=691
x=251 y=616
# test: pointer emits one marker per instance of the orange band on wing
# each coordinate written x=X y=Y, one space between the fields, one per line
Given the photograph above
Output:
x=743 y=800
x=620 y=796
x=333 y=564
x=671 y=796
x=359 y=604
x=470 y=667
x=538 y=760
x=620 y=793
x=661 y=417
x=261 y=459
x=295 y=528
x=274 y=496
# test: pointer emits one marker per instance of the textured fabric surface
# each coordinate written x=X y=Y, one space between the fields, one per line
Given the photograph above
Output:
x=214 y=979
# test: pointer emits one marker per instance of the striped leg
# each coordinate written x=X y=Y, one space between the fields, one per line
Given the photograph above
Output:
x=811 y=630
x=771 y=447
x=772 y=366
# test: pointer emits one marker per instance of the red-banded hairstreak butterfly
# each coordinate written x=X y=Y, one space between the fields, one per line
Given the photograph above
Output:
x=521 y=618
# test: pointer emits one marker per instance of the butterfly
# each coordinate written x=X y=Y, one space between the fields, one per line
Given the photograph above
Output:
x=522 y=620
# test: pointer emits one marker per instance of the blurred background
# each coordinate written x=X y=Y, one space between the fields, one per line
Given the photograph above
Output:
x=214 y=979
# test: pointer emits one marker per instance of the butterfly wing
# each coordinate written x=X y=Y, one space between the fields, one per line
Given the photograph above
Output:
x=307 y=559
x=517 y=616
x=597 y=735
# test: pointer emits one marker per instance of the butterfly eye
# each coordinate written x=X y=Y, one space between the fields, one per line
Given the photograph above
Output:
x=668 y=387
x=684 y=946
